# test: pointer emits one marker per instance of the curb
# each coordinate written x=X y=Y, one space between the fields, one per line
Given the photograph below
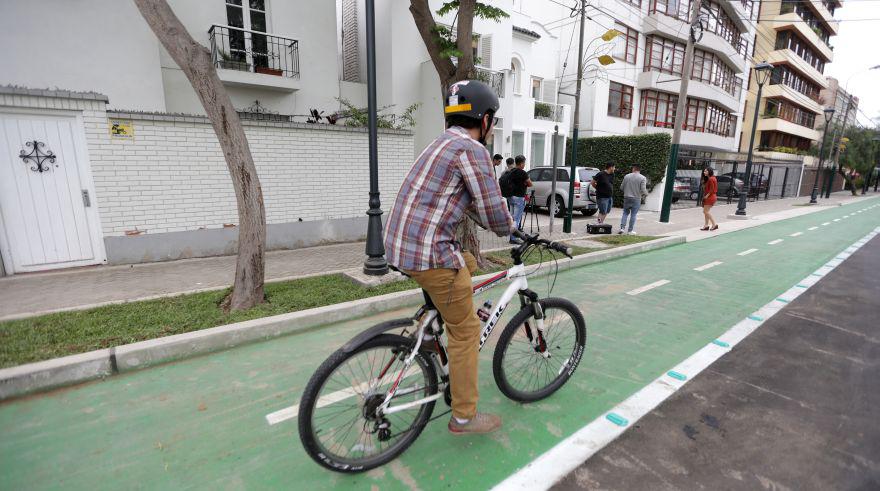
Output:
x=68 y=370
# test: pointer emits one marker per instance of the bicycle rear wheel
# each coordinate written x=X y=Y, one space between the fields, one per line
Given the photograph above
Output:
x=528 y=367
x=337 y=422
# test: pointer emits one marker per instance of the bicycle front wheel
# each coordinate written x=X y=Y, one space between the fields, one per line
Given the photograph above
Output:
x=528 y=365
x=338 y=424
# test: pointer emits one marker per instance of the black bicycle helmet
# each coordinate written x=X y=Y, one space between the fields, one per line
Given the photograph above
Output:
x=470 y=98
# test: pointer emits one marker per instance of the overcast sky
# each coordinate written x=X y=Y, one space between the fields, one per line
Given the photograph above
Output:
x=857 y=48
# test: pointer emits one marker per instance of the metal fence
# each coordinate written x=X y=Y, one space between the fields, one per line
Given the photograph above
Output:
x=233 y=48
x=769 y=180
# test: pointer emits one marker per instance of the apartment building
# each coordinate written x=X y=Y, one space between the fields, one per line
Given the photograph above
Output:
x=794 y=36
x=846 y=106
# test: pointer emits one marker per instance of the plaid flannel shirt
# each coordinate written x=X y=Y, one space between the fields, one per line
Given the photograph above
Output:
x=452 y=173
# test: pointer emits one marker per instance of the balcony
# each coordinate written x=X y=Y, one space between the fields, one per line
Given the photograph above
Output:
x=254 y=59
x=492 y=78
x=549 y=112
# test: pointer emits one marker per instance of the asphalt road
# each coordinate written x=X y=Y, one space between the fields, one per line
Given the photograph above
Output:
x=794 y=406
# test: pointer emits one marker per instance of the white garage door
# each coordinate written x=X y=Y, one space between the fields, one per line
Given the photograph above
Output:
x=48 y=215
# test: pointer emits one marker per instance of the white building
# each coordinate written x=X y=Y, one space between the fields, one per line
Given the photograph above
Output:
x=139 y=175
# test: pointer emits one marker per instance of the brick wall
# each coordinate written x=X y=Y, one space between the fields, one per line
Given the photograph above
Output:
x=171 y=176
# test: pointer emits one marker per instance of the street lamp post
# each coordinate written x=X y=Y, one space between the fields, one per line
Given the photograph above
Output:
x=876 y=141
x=762 y=73
x=829 y=113
x=375 y=264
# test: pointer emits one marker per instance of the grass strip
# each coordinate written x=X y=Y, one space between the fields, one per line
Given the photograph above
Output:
x=66 y=333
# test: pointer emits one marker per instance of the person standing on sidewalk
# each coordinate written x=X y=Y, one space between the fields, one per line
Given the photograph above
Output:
x=604 y=183
x=453 y=175
x=496 y=161
x=635 y=188
x=504 y=182
x=710 y=192
x=519 y=184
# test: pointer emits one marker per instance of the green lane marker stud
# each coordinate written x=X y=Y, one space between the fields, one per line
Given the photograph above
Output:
x=721 y=343
x=816 y=274
x=801 y=286
x=782 y=300
x=676 y=375
x=756 y=318
x=617 y=419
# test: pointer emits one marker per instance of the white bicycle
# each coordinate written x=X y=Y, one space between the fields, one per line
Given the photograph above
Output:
x=372 y=398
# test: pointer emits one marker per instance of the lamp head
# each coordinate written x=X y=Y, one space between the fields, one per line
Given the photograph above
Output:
x=829 y=113
x=762 y=72
x=610 y=34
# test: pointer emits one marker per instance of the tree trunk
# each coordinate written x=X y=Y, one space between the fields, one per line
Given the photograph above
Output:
x=195 y=61
x=449 y=73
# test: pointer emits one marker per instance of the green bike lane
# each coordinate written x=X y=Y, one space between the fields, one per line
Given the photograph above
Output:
x=200 y=423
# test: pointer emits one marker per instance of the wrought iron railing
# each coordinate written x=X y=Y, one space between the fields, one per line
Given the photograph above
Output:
x=491 y=78
x=548 y=111
x=233 y=48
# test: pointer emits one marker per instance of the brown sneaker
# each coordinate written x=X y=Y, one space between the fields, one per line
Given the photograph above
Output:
x=481 y=423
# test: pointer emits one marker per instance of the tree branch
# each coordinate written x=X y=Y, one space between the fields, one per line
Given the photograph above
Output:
x=424 y=19
x=464 y=40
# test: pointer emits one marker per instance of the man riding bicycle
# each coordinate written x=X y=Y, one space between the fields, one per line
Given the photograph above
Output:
x=453 y=174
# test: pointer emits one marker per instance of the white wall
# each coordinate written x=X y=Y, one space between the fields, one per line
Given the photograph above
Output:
x=97 y=45
x=172 y=176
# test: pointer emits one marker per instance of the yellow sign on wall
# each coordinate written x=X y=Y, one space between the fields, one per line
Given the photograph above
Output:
x=121 y=128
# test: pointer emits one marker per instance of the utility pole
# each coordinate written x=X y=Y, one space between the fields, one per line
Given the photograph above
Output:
x=680 y=114
x=566 y=224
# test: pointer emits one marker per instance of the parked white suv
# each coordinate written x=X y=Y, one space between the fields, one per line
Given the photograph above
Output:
x=584 y=194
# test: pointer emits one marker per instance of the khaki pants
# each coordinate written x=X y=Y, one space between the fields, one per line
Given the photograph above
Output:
x=452 y=294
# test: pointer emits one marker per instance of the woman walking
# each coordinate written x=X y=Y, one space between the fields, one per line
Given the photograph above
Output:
x=710 y=190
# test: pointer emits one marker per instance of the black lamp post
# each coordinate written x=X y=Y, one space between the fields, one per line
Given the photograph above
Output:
x=829 y=113
x=762 y=73
x=876 y=141
x=375 y=264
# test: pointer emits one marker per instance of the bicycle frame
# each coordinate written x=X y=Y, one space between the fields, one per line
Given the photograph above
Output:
x=518 y=286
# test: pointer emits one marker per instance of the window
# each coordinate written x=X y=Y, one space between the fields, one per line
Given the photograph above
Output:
x=773 y=139
x=515 y=75
x=626 y=45
x=620 y=100
x=247 y=47
x=664 y=55
x=778 y=108
x=786 y=76
x=536 y=88
x=537 y=149
x=537 y=175
x=658 y=109
x=518 y=140
x=792 y=41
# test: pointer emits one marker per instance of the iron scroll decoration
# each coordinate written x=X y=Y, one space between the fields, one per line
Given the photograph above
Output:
x=38 y=157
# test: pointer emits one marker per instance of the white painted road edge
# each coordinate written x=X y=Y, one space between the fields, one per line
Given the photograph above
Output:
x=566 y=456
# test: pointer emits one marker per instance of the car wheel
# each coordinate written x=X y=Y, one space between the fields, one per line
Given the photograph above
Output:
x=560 y=206
x=675 y=199
x=694 y=196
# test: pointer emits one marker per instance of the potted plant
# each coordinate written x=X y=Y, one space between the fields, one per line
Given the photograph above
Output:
x=543 y=110
x=228 y=62
x=268 y=70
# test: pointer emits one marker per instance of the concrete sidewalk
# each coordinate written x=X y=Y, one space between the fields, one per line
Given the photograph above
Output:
x=38 y=293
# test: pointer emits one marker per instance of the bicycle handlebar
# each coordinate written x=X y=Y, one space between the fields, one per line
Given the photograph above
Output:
x=534 y=240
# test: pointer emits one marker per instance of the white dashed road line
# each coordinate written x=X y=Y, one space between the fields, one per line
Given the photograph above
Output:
x=796 y=234
x=836 y=220
x=707 y=266
x=747 y=252
x=643 y=289
x=826 y=223
x=812 y=228
x=774 y=242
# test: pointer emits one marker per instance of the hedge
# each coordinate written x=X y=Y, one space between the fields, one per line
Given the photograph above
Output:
x=651 y=152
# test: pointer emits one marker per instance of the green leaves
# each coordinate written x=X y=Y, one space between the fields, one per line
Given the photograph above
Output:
x=651 y=152
x=481 y=10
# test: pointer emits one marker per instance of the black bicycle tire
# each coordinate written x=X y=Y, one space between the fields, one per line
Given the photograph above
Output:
x=507 y=335
x=310 y=394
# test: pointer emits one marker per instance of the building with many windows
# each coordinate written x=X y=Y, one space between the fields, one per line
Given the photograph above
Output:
x=793 y=36
x=638 y=93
